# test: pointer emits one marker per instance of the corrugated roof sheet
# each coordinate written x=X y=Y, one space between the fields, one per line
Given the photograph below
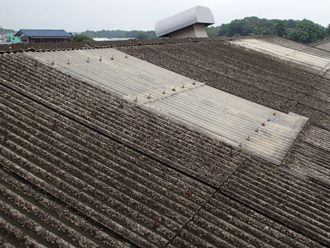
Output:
x=297 y=55
x=256 y=204
x=224 y=116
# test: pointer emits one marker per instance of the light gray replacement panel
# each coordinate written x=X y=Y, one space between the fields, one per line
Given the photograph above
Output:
x=262 y=131
x=257 y=129
x=283 y=52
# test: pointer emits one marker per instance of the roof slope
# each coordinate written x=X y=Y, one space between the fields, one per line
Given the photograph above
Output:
x=263 y=79
x=106 y=170
x=319 y=42
x=43 y=33
x=261 y=131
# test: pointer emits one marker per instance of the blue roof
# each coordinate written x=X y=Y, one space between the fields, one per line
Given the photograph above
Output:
x=43 y=33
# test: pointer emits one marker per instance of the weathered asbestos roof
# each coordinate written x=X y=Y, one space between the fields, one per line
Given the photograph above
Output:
x=108 y=169
x=43 y=33
x=198 y=14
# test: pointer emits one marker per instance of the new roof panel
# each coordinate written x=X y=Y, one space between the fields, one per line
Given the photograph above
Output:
x=224 y=116
x=284 y=52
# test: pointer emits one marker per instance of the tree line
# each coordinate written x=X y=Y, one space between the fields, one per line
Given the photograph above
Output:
x=304 y=31
x=134 y=34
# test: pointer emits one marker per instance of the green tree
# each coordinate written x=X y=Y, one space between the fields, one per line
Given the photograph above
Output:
x=80 y=38
x=141 y=35
x=280 y=29
x=212 y=31
x=307 y=32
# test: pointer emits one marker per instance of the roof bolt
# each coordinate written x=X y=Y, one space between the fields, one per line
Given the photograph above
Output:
x=126 y=56
x=55 y=125
x=188 y=192
x=257 y=130
x=183 y=85
x=174 y=88
x=68 y=62
x=231 y=154
x=112 y=58
x=156 y=223
x=87 y=60
x=164 y=92
x=268 y=119
x=100 y=59
x=194 y=83
x=248 y=138
x=53 y=63
x=6 y=137
x=136 y=99
x=240 y=144
x=263 y=124
x=122 y=104
x=149 y=96
x=274 y=113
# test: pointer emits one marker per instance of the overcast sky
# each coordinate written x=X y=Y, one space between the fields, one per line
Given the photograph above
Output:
x=81 y=15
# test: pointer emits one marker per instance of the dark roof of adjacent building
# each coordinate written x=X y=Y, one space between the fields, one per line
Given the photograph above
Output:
x=43 y=33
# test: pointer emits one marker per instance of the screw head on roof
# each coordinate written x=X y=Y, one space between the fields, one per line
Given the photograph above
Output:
x=194 y=83
x=136 y=99
x=183 y=85
x=268 y=119
x=231 y=153
x=68 y=62
x=122 y=104
x=263 y=124
x=55 y=125
x=6 y=137
x=149 y=96
x=257 y=130
x=274 y=113
x=156 y=223
x=164 y=92
x=174 y=88
x=112 y=58
x=240 y=144
x=53 y=63
x=100 y=59
x=248 y=138
x=126 y=56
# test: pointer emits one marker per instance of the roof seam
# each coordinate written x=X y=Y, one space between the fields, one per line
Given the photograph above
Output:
x=218 y=190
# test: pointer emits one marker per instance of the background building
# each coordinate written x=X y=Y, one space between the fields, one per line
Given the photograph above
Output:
x=12 y=38
x=43 y=36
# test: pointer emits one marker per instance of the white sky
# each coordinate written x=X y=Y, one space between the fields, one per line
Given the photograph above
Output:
x=81 y=15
